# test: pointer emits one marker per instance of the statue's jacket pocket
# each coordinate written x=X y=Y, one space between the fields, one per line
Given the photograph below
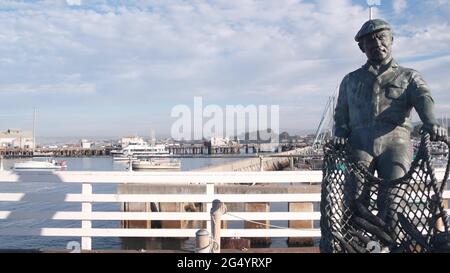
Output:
x=395 y=93
x=393 y=107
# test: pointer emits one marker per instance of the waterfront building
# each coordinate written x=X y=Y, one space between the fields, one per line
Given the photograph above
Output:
x=125 y=141
x=85 y=144
x=16 y=138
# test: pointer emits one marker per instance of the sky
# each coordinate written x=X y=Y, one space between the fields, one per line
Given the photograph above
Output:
x=114 y=68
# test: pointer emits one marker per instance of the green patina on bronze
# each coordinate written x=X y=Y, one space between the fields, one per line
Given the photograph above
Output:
x=372 y=119
x=375 y=102
x=372 y=26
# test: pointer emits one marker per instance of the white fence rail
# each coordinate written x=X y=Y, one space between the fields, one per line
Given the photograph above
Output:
x=209 y=179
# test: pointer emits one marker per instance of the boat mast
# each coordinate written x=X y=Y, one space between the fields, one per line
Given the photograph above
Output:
x=34 y=129
x=152 y=137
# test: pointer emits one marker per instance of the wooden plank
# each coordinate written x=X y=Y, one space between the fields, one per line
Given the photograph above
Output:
x=274 y=250
x=167 y=232
x=245 y=250
x=141 y=215
x=184 y=177
x=239 y=198
x=231 y=198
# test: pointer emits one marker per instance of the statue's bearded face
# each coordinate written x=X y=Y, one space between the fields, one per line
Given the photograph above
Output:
x=377 y=46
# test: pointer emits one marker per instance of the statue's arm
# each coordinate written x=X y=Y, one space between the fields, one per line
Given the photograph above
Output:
x=424 y=104
x=341 y=116
x=421 y=99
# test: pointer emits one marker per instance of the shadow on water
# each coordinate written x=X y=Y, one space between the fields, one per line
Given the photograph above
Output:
x=41 y=201
x=35 y=210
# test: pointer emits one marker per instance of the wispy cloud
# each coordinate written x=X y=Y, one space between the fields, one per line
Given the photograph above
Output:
x=143 y=58
x=399 y=6
x=73 y=2
x=47 y=89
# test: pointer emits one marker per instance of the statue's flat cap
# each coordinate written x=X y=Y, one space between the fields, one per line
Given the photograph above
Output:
x=372 y=26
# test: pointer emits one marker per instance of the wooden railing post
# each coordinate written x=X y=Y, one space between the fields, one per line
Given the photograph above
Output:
x=217 y=210
x=202 y=241
x=86 y=207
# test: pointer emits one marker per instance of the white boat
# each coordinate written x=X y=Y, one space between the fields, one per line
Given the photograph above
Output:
x=156 y=164
x=40 y=165
x=140 y=150
x=37 y=165
x=124 y=158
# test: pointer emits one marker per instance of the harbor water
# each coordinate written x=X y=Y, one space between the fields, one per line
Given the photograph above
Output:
x=48 y=209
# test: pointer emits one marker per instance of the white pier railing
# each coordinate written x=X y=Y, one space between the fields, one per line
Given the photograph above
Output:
x=209 y=179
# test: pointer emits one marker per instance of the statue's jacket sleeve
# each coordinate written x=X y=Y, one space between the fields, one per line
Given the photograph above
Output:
x=368 y=98
x=341 y=118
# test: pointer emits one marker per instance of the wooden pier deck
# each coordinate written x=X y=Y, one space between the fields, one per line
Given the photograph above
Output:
x=250 y=250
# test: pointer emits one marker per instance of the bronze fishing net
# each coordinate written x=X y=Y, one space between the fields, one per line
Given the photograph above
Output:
x=374 y=215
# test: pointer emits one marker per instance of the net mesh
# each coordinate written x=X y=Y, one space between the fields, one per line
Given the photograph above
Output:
x=362 y=213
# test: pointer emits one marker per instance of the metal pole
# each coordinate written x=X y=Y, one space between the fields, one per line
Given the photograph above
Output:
x=1 y=163
x=34 y=130
x=370 y=13
x=261 y=164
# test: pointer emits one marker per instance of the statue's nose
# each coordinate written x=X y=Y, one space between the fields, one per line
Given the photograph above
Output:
x=377 y=42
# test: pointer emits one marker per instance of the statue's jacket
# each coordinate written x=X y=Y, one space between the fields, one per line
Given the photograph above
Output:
x=370 y=98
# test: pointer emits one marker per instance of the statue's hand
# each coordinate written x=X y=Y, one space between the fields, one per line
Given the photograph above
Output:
x=339 y=141
x=436 y=132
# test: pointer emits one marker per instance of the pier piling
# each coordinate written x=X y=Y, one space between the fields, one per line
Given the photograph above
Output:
x=301 y=224
x=258 y=207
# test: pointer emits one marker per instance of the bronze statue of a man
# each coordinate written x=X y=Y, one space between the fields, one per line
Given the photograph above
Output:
x=374 y=105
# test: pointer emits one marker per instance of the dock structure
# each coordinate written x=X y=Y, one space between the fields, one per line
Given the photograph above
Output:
x=234 y=189
x=54 y=152
x=264 y=162
x=182 y=150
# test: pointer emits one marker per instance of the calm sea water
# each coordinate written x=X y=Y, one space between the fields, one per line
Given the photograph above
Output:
x=60 y=189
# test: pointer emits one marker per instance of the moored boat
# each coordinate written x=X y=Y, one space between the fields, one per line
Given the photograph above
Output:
x=40 y=165
x=156 y=164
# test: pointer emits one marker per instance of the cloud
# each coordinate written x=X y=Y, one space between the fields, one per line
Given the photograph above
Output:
x=73 y=2
x=47 y=89
x=143 y=59
x=399 y=6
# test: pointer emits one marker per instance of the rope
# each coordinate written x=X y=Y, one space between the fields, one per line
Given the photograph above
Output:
x=263 y=224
